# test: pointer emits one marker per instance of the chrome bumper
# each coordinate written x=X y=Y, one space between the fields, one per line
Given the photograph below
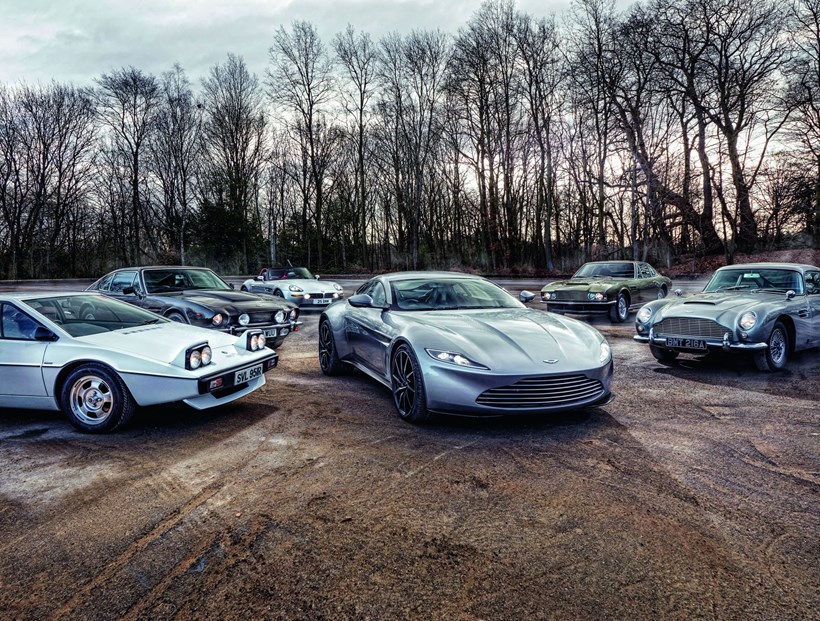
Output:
x=725 y=344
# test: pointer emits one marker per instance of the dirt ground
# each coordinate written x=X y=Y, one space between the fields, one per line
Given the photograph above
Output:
x=694 y=495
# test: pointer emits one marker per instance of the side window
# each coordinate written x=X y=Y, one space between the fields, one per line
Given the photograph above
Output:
x=647 y=271
x=365 y=288
x=104 y=283
x=813 y=283
x=121 y=280
x=377 y=293
x=15 y=324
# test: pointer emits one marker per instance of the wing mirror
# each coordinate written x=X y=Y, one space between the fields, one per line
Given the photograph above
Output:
x=679 y=292
x=132 y=291
x=260 y=277
x=790 y=294
x=317 y=277
x=364 y=301
x=526 y=296
x=41 y=333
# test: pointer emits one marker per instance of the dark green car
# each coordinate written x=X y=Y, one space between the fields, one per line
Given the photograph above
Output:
x=606 y=288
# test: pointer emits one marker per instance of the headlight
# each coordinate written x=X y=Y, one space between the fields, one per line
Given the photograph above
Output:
x=747 y=320
x=279 y=317
x=644 y=315
x=454 y=358
x=198 y=356
x=294 y=314
x=254 y=340
x=606 y=352
x=596 y=297
x=244 y=319
x=337 y=287
x=547 y=295
x=217 y=319
x=294 y=288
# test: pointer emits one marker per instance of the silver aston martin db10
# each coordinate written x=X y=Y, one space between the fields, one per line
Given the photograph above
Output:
x=456 y=343
x=99 y=364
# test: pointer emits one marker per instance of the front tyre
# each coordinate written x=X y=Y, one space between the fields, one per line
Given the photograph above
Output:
x=328 y=354
x=663 y=355
x=407 y=384
x=776 y=355
x=620 y=311
x=95 y=399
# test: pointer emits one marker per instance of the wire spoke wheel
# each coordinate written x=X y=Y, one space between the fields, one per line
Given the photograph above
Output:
x=778 y=347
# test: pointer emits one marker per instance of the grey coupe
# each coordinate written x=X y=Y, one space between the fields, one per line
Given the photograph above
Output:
x=768 y=309
x=456 y=343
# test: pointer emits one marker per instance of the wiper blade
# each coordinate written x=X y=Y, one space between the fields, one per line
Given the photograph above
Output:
x=148 y=322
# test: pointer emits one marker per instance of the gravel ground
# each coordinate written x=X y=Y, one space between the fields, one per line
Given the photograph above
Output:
x=694 y=495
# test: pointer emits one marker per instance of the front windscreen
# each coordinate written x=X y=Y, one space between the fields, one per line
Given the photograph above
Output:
x=175 y=279
x=284 y=273
x=606 y=270
x=449 y=294
x=82 y=315
x=756 y=279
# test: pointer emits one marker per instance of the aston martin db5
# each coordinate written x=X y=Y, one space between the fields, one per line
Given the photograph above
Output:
x=295 y=284
x=197 y=296
x=459 y=344
x=612 y=288
x=96 y=359
x=767 y=309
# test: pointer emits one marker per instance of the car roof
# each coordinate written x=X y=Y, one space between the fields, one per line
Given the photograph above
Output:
x=422 y=274
x=802 y=267
x=26 y=295
x=615 y=261
x=163 y=267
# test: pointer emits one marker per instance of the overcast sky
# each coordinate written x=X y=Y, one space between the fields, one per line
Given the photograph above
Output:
x=77 y=40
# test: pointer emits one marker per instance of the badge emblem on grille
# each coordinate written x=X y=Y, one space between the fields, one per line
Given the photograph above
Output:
x=550 y=360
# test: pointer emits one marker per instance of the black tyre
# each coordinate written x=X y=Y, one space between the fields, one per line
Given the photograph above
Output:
x=776 y=355
x=278 y=294
x=328 y=355
x=620 y=311
x=662 y=293
x=663 y=355
x=175 y=316
x=407 y=383
x=95 y=399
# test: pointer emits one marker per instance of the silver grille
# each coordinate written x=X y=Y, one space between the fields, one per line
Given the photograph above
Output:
x=571 y=296
x=545 y=391
x=689 y=326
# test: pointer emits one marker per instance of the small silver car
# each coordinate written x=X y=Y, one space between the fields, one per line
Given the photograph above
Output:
x=295 y=284
x=767 y=309
x=456 y=343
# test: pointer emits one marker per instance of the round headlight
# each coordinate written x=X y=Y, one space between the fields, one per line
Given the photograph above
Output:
x=546 y=295
x=217 y=319
x=244 y=319
x=606 y=352
x=295 y=288
x=254 y=342
x=207 y=354
x=279 y=317
x=261 y=340
x=747 y=320
x=195 y=361
x=590 y=296
x=294 y=314
x=644 y=315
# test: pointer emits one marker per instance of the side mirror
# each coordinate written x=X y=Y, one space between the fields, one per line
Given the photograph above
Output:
x=363 y=301
x=41 y=333
x=317 y=277
x=526 y=296
x=790 y=294
x=230 y=284
x=679 y=292
x=129 y=291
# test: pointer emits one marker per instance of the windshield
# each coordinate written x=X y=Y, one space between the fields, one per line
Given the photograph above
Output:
x=449 y=294
x=179 y=279
x=766 y=279
x=606 y=270
x=283 y=273
x=82 y=315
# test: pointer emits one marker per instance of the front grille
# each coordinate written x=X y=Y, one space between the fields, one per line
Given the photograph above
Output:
x=688 y=326
x=545 y=391
x=571 y=296
x=321 y=295
x=264 y=318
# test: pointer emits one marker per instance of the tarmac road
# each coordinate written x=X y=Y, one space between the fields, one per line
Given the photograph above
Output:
x=694 y=495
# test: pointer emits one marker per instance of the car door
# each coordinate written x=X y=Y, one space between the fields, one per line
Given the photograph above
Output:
x=21 y=357
x=648 y=283
x=367 y=333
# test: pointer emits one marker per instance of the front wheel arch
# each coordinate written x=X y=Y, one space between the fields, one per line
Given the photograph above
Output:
x=123 y=398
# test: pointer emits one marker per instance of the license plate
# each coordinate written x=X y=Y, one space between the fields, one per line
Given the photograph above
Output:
x=321 y=301
x=246 y=375
x=270 y=333
x=686 y=343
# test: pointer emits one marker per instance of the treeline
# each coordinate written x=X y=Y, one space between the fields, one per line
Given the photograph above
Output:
x=519 y=143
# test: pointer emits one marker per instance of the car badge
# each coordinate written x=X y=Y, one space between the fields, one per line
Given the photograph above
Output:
x=550 y=361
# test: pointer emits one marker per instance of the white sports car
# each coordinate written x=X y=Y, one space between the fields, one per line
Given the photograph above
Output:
x=98 y=367
x=295 y=284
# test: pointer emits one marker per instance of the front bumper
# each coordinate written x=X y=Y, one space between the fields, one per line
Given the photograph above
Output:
x=223 y=383
x=279 y=330
x=454 y=390
x=315 y=301
x=711 y=344
x=580 y=308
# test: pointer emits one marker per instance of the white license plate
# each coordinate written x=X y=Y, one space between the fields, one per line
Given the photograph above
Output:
x=321 y=301
x=246 y=375
x=270 y=333
x=686 y=343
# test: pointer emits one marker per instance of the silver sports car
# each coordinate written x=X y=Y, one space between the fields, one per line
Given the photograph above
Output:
x=455 y=343
x=97 y=367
